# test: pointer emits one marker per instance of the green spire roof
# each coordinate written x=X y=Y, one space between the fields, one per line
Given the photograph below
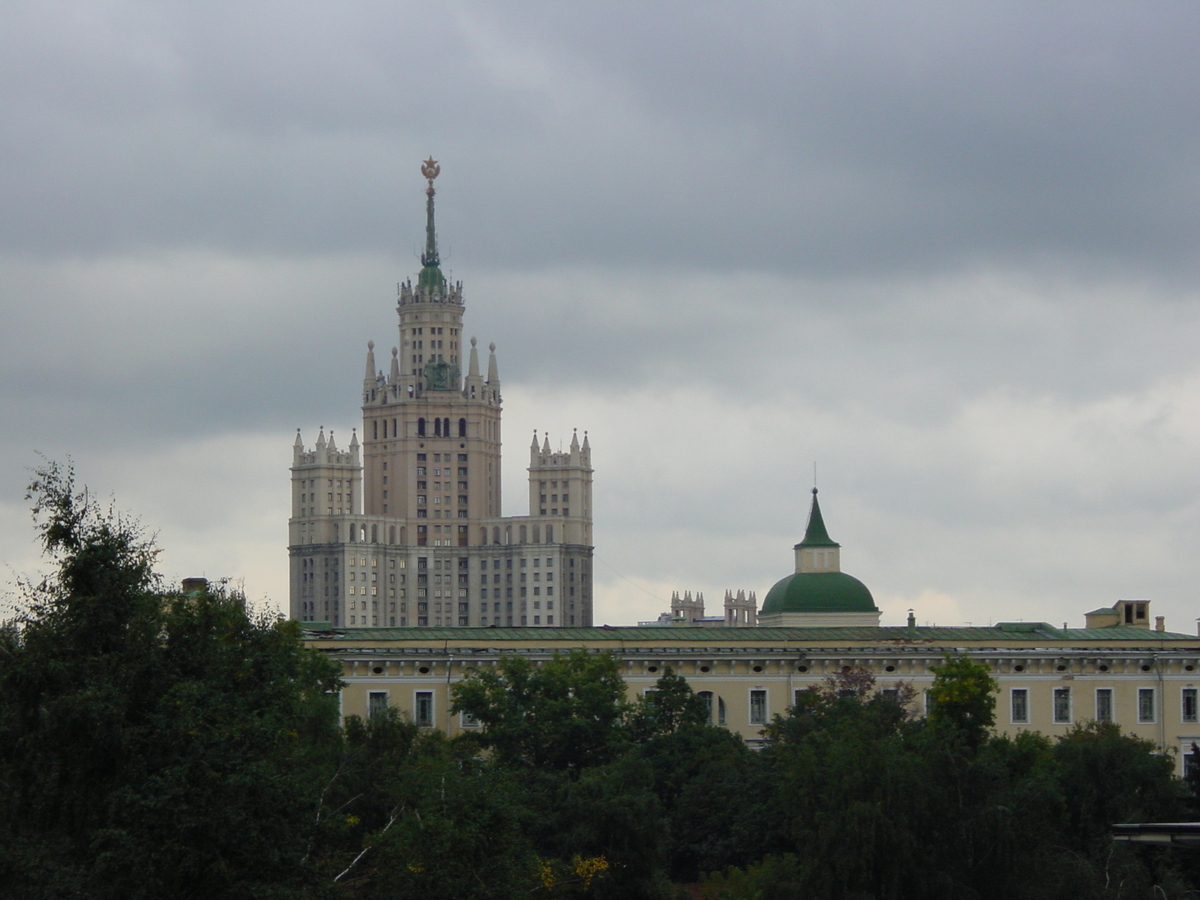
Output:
x=431 y=278
x=816 y=535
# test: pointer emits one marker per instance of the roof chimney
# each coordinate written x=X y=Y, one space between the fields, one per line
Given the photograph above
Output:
x=1160 y=623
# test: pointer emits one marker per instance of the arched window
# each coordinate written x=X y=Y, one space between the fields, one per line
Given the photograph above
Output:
x=421 y=426
x=507 y=534
x=403 y=536
x=496 y=534
x=549 y=534
x=374 y=534
x=522 y=532
x=445 y=427
x=707 y=696
x=391 y=534
x=394 y=432
x=483 y=535
x=375 y=429
x=362 y=536
x=537 y=534
x=462 y=427
x=437 y=427
x=353 y=533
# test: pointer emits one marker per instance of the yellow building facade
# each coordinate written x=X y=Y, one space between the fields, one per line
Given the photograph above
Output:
x=1050 y=679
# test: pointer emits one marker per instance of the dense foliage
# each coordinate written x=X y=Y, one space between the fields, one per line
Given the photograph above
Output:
x=151 y=744
x=160 y=745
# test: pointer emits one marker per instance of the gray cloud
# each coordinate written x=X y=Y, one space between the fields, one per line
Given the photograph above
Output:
x=947 y=251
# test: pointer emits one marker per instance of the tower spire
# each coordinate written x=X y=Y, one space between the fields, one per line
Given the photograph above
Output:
x=431 y=277
x=816 y=535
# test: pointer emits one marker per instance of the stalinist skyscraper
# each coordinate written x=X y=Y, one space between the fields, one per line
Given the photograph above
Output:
x=403 y=528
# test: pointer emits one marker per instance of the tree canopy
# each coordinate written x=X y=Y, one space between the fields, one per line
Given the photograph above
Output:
x=151 y=744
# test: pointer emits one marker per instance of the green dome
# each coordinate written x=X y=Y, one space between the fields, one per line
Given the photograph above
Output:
x=818 y=592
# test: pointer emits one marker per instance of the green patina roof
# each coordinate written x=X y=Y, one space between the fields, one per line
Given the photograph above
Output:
x=816 y=535
x=1036 y=632
x=818 y=592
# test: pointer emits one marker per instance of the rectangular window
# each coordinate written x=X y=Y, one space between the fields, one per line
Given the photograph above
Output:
x=1104 y=705
x=1020 y=706
x=1145 y=705
x=758 y=707
x=1062 y=706
x=377 y=702
x=423 y=708
x=1190 y=763
x=1188 y=705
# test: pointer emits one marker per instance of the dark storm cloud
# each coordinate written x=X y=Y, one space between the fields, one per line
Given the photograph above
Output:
x=946 y=250
x=821 y=138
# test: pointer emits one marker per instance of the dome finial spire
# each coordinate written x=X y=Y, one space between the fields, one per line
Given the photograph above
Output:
x=431 y=279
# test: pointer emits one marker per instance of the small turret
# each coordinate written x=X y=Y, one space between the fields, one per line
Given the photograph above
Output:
x=369 y=375
x=473 y=383
x=493 y=378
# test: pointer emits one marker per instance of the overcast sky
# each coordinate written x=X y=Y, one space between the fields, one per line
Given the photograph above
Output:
x=945 y=251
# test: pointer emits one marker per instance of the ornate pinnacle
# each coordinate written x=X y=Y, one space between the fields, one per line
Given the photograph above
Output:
x=430 y=169
x=429 y=259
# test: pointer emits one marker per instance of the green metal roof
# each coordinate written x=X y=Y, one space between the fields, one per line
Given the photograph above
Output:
x=1003 y=632
x=818 y=592
x=816 y=535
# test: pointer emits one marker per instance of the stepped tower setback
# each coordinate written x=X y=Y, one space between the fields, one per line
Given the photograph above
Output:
x=415 y=536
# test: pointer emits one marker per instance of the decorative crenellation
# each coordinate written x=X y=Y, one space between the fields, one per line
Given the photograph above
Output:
x=325 y=452
x=407 y=295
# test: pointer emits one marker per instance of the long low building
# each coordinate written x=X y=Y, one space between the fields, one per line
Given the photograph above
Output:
x=1050 y=678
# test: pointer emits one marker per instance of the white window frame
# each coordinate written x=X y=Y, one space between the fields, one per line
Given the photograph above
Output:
x=1058 y=720
x=765 y=706
x=1012 y=706
x=387 y=701
x=416 y=708
x=1111 y=704
x=1183 y=716
x=1143 y=719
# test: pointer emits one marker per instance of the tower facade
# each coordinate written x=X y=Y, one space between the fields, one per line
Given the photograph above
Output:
x=415 y=536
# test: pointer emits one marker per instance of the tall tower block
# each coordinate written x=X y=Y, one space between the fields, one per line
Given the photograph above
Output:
x=417 y=536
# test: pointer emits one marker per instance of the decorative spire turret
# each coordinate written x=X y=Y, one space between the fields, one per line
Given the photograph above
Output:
x=369 y=375
x=431 y=279
x=473 y=369
x=493 y=368
x=816 y=535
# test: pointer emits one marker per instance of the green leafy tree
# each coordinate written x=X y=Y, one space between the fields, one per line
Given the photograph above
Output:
x=670 y=706
x=151 y=744
x=565 y=714
x=963 y=698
